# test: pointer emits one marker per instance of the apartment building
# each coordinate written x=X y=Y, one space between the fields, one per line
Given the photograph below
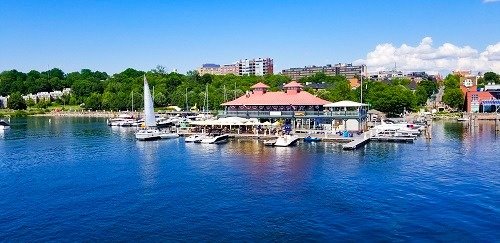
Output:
x=257 y=67
x=348 y=70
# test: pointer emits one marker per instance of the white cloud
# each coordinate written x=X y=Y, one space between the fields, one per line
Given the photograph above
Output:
x=426 y=57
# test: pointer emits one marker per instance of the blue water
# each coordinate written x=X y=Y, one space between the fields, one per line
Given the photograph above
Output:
x=75 y=179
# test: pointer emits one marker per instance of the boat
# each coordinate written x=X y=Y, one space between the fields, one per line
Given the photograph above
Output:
x=123 y=120
x=312 y=139
x=286 y=140
x=394 y=133
x=216 y=139
x=270 y=142
x=150 y=131
x=4 y=125
x=169 y=135
x=194 y=138
x=461 y=119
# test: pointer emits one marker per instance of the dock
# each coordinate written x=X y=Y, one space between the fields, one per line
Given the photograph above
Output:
x=356 y=143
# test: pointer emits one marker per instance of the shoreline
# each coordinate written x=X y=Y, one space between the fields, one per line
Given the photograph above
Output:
x=103 y=114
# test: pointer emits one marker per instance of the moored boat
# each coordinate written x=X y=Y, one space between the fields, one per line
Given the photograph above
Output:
x=216 y=139
x=286 y=140
x=150 y=130
x=312 y=139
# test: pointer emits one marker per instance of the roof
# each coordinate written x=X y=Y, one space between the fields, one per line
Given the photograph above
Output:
x=278 y=98
x=345 y=103
x=490 y=102
x=293 y=84
x=210 y=65
x=259 y=85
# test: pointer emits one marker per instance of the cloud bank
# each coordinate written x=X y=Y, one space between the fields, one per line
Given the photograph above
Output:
x=426 y=57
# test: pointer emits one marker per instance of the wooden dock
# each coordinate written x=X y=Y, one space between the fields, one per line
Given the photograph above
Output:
x=356 y=143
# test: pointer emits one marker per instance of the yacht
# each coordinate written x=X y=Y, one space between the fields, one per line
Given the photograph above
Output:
x=123 y=120
x=286 y=140
x=150 y=130
x=194 y=138
x=4 y=125
x=216 y=139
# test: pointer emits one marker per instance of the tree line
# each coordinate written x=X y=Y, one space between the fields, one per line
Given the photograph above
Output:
x=99 y=91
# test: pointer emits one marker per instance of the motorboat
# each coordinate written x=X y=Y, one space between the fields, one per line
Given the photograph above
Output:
x=216 y=139
x=395 y=133
x=146 y=134
x=123 y=120
x=4 y=125
x=462 y=119
x=270 y=142
x=312 y=139
x=194 y=138
x=150 y=131
x=169 y=135
x=286 y=140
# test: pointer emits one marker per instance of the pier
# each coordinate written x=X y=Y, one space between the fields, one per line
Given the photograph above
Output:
x=356 y=143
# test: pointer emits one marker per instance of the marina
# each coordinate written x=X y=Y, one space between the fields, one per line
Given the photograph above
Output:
x=167 y=187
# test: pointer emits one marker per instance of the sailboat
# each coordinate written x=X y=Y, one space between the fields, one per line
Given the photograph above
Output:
x=150 y=131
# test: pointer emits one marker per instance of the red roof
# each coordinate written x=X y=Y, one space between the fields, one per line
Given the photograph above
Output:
x=293 y=84
x=278 y=98
x=259 y=85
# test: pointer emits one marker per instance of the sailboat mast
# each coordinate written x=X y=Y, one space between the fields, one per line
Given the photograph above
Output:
x=187 y=106
x=132 y=101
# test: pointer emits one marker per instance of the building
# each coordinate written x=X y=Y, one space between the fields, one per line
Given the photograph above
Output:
x=387 y=75
x=209 y=68
x=294 y=106
x=3 y=101
x=485 y=100
x=348 y=70
x=49 y=96
x=257 y=67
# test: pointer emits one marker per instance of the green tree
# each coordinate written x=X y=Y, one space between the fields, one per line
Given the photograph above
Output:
x=93 y=102
x=491 y=77
x=452 y=81
x=421 y=96
x=16 y=101
x=454 y=98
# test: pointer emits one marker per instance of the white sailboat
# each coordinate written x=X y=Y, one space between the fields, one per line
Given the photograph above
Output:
x=150 y=130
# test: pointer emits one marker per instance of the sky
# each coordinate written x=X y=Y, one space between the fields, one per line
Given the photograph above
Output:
x=112 y=35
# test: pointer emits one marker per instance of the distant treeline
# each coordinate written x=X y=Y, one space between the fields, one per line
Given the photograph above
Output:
x=98 y=91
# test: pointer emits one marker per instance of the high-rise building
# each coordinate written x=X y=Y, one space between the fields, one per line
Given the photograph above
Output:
x=257 y=67
x=348 y=70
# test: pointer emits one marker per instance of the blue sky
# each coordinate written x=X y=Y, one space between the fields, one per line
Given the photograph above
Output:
x=114 y=35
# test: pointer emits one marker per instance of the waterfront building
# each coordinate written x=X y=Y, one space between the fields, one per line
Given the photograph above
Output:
x=257 y=67
x=348 y=70
x=484 y=100
x=47 y=95
x=293 y=105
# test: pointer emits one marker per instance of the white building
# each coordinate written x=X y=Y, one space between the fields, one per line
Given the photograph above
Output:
x=3 y=101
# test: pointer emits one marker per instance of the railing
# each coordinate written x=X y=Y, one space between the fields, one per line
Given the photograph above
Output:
x=297 y=114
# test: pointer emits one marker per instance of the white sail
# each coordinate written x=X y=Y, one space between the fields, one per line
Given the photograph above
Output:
x=149 y=112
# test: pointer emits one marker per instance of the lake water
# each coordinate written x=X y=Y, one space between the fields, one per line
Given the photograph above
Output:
x=75 y=179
